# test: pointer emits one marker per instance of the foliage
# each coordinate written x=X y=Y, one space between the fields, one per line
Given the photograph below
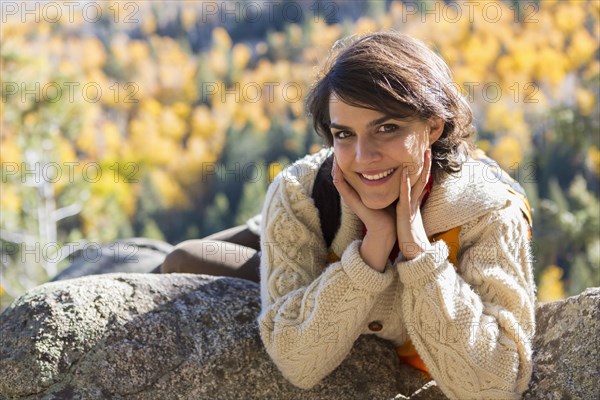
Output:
x=192 y=102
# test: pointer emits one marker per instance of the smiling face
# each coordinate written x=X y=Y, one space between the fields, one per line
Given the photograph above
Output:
x=371 y=149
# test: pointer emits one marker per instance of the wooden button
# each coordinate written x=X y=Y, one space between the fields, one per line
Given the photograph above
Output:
x=375 y=326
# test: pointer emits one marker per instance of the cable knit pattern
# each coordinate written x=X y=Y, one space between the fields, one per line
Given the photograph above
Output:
x=472 y=323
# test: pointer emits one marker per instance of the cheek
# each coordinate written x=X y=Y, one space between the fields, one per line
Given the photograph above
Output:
x=414 y=163
x=343 y=159
x=410 y=161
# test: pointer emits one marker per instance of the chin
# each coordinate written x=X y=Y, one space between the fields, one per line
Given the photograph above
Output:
x=376 y=204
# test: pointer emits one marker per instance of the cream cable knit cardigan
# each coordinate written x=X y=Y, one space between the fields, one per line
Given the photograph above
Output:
x=472 y=324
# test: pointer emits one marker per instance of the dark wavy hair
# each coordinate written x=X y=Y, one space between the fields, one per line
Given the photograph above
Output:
x=400 y=76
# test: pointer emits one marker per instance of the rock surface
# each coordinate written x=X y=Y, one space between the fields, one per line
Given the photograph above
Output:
x=127 y=255
x=177 y=336
x=182 y=336
x=566 y=359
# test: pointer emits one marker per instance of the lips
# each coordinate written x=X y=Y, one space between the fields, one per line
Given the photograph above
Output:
x=377 y=176
x=377 y=179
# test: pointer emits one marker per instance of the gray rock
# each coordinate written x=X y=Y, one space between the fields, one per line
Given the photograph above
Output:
x=175 y=336
x=567 y=349
x=183 y=336
x=126 y=255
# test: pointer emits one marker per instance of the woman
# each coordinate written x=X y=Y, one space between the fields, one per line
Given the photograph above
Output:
x=458 y=297
x=409 y=237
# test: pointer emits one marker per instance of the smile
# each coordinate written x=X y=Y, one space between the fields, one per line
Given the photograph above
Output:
x=378 y=176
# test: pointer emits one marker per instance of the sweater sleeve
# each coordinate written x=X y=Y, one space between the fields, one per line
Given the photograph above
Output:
x=311 y=312
x=473 y=325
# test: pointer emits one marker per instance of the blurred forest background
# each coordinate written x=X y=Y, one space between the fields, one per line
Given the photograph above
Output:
x=168 y=119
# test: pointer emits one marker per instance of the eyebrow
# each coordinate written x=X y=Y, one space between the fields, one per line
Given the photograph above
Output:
x=369 y=125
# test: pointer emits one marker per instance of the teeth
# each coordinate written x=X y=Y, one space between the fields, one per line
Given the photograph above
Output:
x=378 y=176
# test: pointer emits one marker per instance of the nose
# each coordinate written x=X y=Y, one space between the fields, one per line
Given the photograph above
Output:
x=366 y=151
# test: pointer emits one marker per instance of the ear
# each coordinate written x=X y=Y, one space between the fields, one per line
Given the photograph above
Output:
x=436 y=127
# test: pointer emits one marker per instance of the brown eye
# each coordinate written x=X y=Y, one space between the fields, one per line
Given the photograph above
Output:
x=387 y=128
x=341 y=134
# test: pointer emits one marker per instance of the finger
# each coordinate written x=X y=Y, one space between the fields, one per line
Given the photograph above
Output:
x=418 y=190
x=417 y=205
x=343 y=187
x=403 y=207
x=350 y=196
x=428 y=163
x=425 y=170
x=337 y=174
x=334 y=166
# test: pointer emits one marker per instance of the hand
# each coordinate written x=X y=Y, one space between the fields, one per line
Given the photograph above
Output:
x=380 y=224
x=409 y=225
